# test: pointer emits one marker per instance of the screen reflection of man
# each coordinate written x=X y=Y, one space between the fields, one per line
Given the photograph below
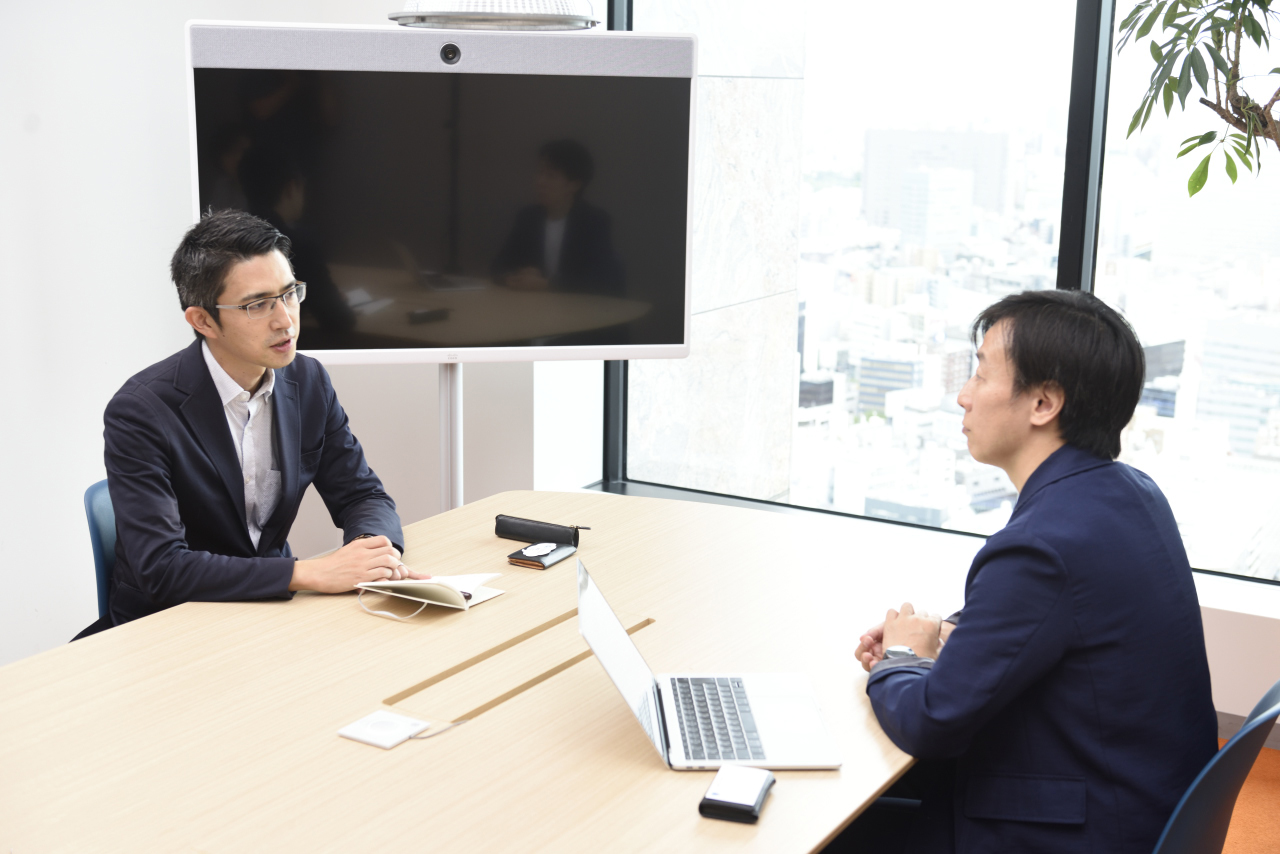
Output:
x=276 y=191
x=562 y=243
x=210 y=451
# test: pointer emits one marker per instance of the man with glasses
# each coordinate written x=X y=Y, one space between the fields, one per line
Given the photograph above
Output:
x=209 y=452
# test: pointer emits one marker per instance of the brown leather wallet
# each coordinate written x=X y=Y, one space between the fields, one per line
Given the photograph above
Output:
x=562 y=551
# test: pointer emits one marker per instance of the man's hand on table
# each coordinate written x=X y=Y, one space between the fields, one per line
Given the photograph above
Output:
x=871 y=645
x=363 y=559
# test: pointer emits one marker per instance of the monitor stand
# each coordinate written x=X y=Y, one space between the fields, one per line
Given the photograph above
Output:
x=450 y=435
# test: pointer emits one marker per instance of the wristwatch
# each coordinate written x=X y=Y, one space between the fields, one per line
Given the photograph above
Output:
x=900 y=652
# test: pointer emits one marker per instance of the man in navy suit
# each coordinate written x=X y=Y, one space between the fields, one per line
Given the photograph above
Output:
x=209 y=452
x=562 y=243
x=1067 y=707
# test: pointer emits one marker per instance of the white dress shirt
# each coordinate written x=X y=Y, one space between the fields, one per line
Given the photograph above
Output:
x=249 y=419
x=552 y=241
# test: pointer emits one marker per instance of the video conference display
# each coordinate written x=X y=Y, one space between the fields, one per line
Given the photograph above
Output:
x=432 y=210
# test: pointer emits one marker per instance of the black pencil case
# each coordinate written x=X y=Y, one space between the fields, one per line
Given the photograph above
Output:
x=529 y=531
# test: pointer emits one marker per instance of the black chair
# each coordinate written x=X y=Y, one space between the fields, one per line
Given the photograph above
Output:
x=1200 y=821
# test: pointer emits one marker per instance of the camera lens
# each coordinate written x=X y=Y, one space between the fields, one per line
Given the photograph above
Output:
x=450 y=53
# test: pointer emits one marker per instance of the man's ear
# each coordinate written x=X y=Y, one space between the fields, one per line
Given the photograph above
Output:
x=1049 y=399
x=201 y=321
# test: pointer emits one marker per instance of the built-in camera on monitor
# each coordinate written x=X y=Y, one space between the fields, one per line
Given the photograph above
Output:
x=466 y=196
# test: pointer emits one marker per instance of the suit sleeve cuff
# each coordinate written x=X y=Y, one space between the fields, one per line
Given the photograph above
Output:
x=905 y=661
x=362 y=534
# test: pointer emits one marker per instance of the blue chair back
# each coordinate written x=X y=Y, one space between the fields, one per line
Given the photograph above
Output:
x=102 y=534
x=1200 y=821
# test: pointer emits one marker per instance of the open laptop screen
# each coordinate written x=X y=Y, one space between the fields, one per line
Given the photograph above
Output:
x=609 y=641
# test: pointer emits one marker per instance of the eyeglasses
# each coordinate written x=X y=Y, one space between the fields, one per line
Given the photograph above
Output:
x=261 y=308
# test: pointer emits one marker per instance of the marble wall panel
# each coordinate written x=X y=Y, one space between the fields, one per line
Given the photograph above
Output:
x=746 y=201
x=720 y=420
x=736 y=38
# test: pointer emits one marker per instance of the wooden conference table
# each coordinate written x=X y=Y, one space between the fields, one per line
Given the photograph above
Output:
x=211 y=727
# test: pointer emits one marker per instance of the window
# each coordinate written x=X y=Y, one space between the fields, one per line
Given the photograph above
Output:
x=864 y=188
x=1199 y=278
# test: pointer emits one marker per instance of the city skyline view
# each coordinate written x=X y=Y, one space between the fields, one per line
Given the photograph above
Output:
x=907 y=232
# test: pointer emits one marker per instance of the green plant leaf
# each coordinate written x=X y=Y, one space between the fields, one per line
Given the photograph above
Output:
x=1137 y=118
x=1206 y=138
x=1163 y=71
x=1169 y=16
x=1188 y=150
x=1146 y=114
x=1133 y=16
x=1151 y=20
x=1201 y=72
x=1253 y=30
x=1168 y=97
x=1184 y=82
x=1274 y=71
x=1198 y=176
x=1155 y=52
x=1231 y=166
x=1195 y=31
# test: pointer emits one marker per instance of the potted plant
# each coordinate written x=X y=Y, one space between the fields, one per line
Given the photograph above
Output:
x=1199 y=45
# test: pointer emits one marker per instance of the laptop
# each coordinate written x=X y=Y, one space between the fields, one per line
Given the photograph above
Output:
x=699 y=721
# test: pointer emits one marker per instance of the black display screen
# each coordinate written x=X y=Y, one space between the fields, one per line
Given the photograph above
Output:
x=431 y=210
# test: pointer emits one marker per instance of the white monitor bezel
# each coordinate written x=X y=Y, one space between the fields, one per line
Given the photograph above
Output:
x=334 y=47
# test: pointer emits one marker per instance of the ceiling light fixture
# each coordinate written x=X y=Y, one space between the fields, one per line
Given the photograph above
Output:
x=497 y=14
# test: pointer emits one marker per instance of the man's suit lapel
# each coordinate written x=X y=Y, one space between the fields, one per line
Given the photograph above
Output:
x=288 y=438
x=205 y=416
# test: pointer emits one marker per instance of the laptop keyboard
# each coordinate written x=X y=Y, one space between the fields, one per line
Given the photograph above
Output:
x=715 y=719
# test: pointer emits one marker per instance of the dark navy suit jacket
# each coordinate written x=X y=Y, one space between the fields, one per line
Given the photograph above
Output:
x=1073 y=695
x=178 y=491
x=588 y=262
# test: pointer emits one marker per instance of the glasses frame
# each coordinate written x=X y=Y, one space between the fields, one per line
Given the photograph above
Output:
x=299 y=288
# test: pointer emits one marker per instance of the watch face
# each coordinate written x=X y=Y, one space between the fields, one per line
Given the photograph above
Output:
x=899 y=652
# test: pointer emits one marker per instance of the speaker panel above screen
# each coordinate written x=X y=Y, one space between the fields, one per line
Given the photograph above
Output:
x=459 y=196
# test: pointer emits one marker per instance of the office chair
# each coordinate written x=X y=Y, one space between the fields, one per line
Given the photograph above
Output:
x=102 y=534
x=1199 y=823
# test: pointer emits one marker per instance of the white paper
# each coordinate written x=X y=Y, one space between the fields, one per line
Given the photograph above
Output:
x=738 y=784
x=383 y=729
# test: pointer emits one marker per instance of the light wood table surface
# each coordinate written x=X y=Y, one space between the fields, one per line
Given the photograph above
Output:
x=211 y=727
x=488 y=316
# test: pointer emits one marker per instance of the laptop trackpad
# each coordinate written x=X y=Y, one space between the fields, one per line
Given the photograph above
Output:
x=789 y=720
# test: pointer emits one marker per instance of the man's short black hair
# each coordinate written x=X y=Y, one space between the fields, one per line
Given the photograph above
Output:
x=571 y=159
x=1078 y=342
x=211 y=247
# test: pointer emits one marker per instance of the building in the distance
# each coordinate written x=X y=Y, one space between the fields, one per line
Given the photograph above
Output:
x=890 y=154
x=1240 y=375
x=936 y=206
x=1165 y=360
x=957 y=365
x=877 y=377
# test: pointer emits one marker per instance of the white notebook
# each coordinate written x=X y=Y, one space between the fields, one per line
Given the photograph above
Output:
x=443 y=590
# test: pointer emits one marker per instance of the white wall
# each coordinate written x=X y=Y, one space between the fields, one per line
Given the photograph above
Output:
x=94 y=196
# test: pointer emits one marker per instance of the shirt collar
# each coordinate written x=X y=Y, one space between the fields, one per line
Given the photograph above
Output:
x=229 y=389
